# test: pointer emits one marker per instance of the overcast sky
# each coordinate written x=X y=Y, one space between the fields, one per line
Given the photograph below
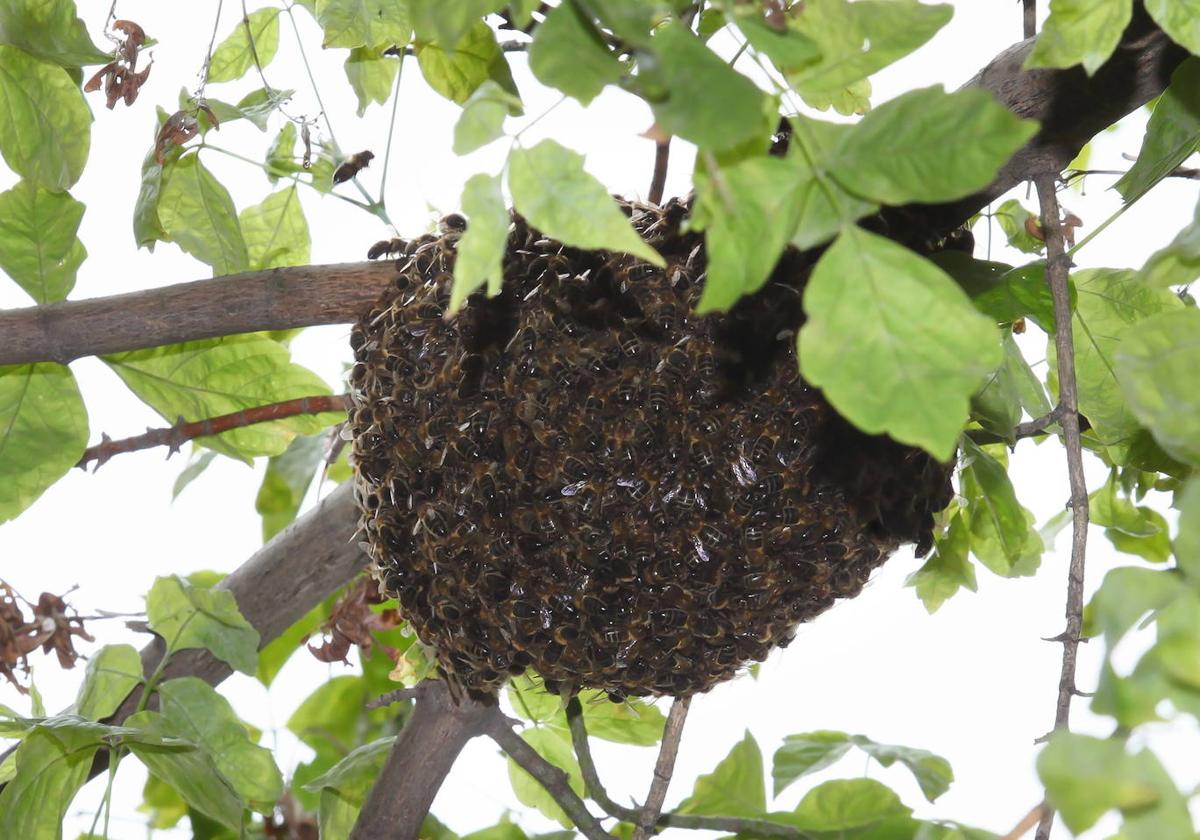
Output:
x=974 y=683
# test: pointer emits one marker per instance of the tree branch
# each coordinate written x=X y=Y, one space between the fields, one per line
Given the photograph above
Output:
x=658 y=182
x=1057 y=268
x=276 y=299
x=175 y=436
x=417 y=765
x=1027 y=822
x=1029 y=18
x=553 y=779
x=663 y=769
x=1072 y=107
x=280 y=582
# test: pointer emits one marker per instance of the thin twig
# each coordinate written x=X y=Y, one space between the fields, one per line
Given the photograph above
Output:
x=662 y=769
x=1029 y=19
x=1057 y=268
x=391 y=697
x=1027 y=822
x=595 y=789
x=1039 y=424
x=1185 y=172
x=505 y=46
x=208 y=55
x=662 y=156
x=175 y=436
x=552 y=778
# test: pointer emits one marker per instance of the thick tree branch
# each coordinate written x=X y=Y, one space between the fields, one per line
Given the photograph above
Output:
x=277 y=299
x=417 y=765
x=1057 y=268
x=553 y=779
x=1071 y=106
x=175 y=436
x=663 y=768
x=280 y=582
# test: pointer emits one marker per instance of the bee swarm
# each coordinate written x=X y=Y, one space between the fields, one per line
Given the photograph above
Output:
x=582 y=477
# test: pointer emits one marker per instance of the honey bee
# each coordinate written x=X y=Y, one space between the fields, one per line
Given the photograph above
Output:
x=386 y=248
x=352 y=166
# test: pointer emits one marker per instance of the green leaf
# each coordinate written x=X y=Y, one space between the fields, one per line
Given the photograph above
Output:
x=162 y=804
x=1020 y=293
x=39 y=246
x=749 y=214
x=1158 y=368
x=555 y=747
x=47 y=127
x=898 y=350
x=256 y=106
x=1179 y=263
x=1154 y=546
x=1002 y=536
x=1080 y=32
x=1109 y=510
x=147 y=229
x=553 y=192
x=1087 y=777
x=371 y=75
x=789 y=50
x=569 y=54
x=275 y=231
x=328 y=718
x=633 y=722
x=932 y=772
x=807 y=753
x=505 y=830
x=186 y=616
x=897 y=154
x=50 y=770
x=457 y=74
x=734 y=788
x=861 y=38
x=199 y=463
x=1127 y=594
x=825 y=206
x=365 y=23
x=43 y=432
x=1128 y=699
x=344 y=787
x=49 y=29
x=192 y=773
x=254 y=37
x=997 y=407
x=481 y=249
x=1012 y=217
x=279 y=650
x=1172 y=133
x=948 y=569
x=706 y=101
x=482 y=118
x=1109 y=302
x=281 y=154
x=447 y=23
x=845 y=804
x=1180 y=19
x=213 y=377
x=1179 y=656
x=112 y=674
x=197 y=214
x=194 y=710
x=1187 y=541
x=287 y=479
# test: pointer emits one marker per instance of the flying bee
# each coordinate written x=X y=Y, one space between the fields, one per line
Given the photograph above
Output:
x=352 y=166
x=386 y=248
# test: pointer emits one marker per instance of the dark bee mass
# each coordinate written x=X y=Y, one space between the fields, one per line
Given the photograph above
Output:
x=582 y=477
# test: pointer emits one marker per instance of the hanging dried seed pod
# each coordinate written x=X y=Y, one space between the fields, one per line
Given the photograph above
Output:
x=598 y=485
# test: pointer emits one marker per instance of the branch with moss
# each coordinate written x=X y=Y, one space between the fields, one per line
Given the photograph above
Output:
x=1058 y=267
x=183 y=431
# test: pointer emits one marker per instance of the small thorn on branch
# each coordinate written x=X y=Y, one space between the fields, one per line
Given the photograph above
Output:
x=175 y=436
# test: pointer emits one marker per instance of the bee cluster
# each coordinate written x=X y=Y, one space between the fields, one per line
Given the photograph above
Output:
x=582 y=477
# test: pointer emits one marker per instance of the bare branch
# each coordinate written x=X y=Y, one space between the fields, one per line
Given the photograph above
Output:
x=553 y=779
x=1027 y=822
x=418 y=763
x=1057 y=268
x=587 y=766
x=1029 y=18
x=276 y=299
x=658 y=182
x=662 y=769
x=175 y=436
x=392 y=697
x=1038 y=424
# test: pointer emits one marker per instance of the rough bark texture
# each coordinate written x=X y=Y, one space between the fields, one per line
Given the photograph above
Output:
x=276 y=299
x=432 y=739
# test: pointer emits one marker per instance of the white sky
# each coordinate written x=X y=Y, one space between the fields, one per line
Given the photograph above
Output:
x=973 y=683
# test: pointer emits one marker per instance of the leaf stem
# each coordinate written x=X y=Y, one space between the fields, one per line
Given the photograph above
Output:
x=387 y=153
